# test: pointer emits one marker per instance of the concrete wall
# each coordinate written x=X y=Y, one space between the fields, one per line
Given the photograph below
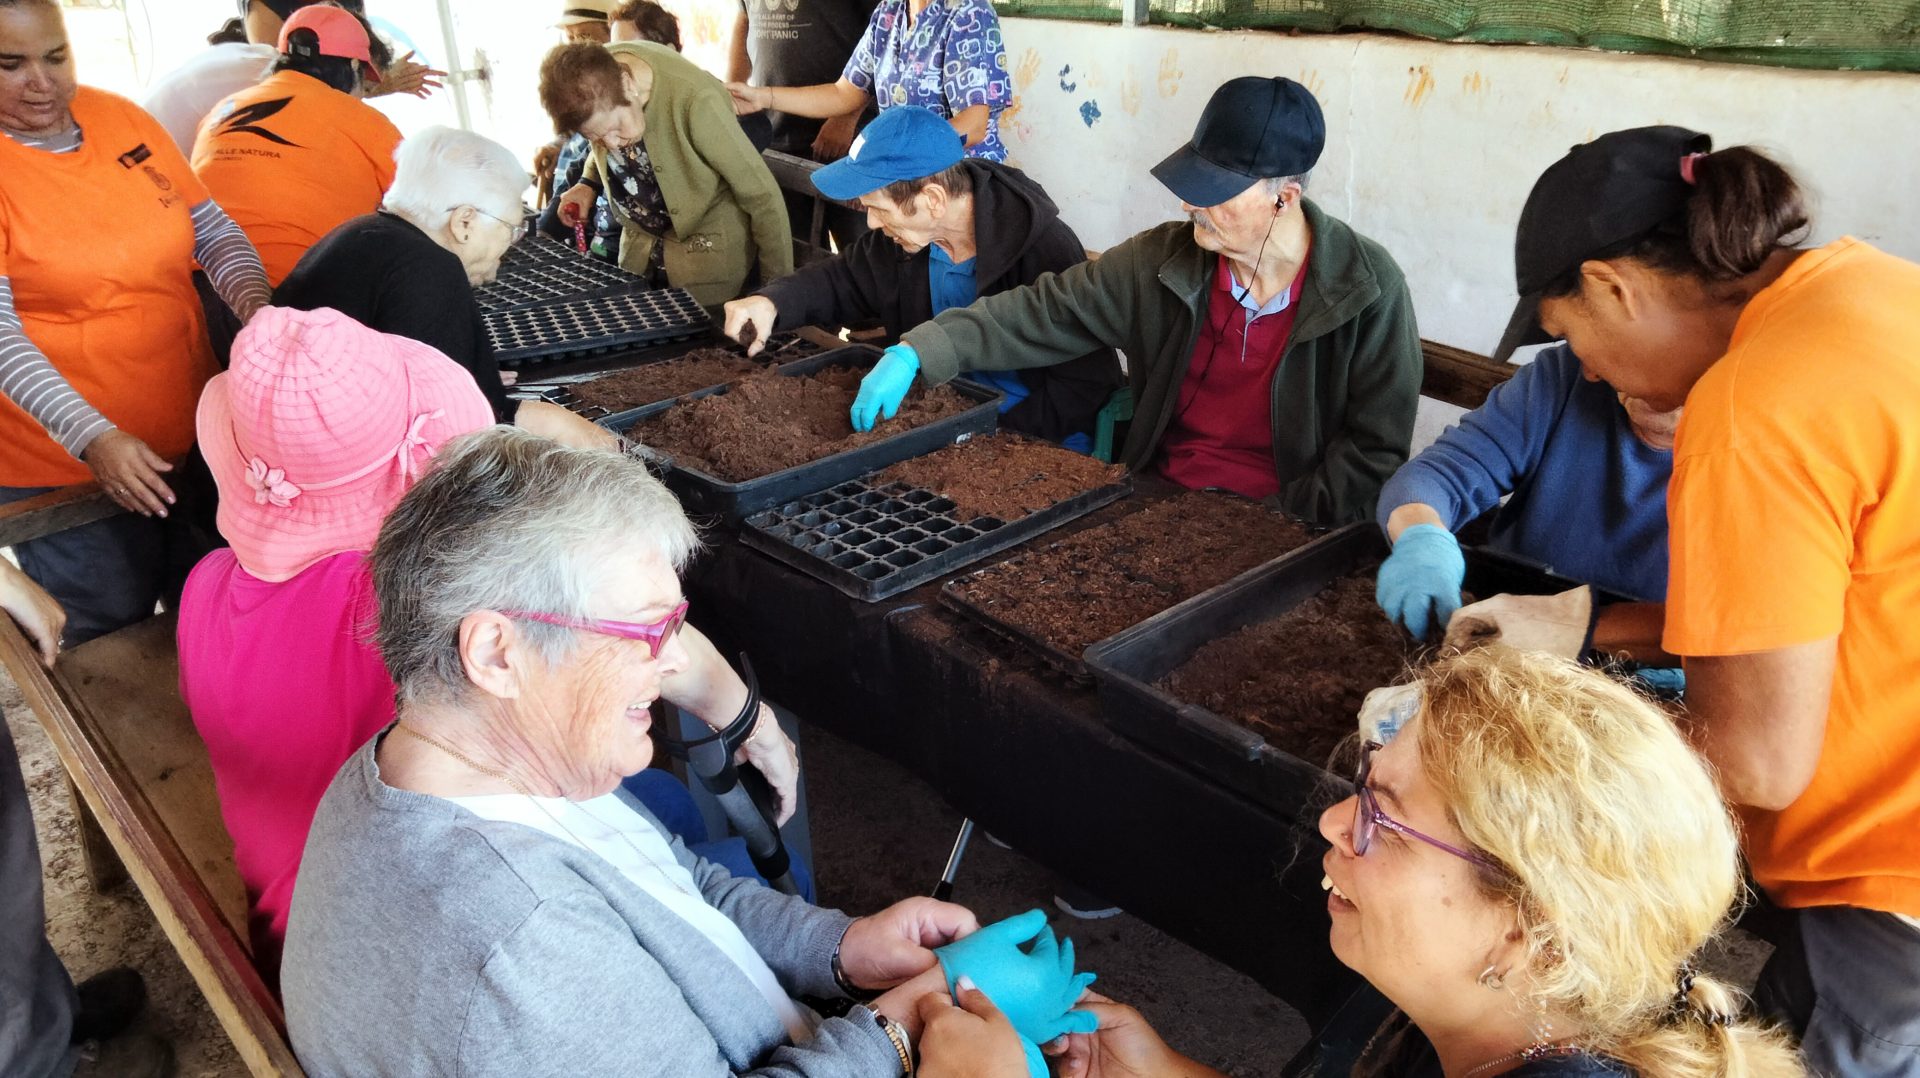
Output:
x=1432 y=147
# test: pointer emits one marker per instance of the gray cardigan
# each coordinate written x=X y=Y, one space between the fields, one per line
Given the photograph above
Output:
x=425 y=940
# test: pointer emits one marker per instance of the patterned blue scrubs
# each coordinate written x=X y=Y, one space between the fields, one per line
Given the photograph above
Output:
x=949 y=60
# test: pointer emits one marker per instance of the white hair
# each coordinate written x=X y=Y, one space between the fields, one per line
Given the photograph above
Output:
x=444 y=168
x=1277 y=184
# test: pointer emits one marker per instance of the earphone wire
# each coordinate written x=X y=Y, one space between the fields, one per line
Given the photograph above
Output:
x=1239 y=300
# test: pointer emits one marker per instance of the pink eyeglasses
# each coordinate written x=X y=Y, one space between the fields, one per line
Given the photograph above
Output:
x=655 y=633
x=1367 y=817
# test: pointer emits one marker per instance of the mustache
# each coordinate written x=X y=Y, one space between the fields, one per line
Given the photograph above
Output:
x=1200 y=221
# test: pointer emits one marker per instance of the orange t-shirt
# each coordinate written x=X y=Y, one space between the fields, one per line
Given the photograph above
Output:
x=290 y=159
x=117 y=316
x=1795 y=516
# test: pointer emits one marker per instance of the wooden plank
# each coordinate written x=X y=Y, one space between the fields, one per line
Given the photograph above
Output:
x=131 y=681
x=104 y=870
x=1458 y=376
x=187 y=913
x=54 y=511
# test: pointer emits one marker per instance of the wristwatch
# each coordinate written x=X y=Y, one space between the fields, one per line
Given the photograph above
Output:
x=902 y=1043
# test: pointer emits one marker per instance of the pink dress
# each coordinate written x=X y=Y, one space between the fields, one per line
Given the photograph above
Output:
x=284 y=684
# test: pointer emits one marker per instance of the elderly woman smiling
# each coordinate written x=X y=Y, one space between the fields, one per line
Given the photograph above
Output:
x=477 y=899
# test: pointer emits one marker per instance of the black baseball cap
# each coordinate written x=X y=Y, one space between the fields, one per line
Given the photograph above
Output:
x=1621 y=187
x=1253 y=129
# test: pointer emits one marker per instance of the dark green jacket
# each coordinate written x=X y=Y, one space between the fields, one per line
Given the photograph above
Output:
x=1343 y=396
x=729 y=217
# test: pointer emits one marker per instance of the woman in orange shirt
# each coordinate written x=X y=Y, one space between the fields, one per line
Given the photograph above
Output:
x=1675 y=273
x=103 y=347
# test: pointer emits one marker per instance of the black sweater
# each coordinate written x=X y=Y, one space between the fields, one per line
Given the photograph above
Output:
x=1019 y=235
x=386 y=274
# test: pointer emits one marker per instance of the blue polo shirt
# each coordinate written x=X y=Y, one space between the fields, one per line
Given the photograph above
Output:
x=953 y=285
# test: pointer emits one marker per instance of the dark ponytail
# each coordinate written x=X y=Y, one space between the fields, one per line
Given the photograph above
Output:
x=303 y=55
x=1744 y=208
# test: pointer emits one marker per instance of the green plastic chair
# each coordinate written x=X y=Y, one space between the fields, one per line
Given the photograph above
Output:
x=1117 y=410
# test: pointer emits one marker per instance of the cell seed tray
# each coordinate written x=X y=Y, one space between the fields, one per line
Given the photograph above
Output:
x=734 y=502
x=1128 y=663
x=537 y=246
x=556 y=332
x=872 y=541
x=781 y=348
x=529 y=283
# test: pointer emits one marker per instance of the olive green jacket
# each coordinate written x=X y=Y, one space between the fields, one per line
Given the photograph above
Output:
x=1343 y=396
x=728 y=214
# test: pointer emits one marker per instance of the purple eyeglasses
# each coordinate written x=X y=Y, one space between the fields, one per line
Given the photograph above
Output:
x=655 y=633
x=1367 y=816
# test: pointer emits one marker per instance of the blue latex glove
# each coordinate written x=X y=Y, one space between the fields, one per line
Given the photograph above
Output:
x=1028 y=975
x=885 y=386
x=1419 y=584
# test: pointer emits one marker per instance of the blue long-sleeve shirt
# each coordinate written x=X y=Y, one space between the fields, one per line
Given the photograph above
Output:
x=1589 y=497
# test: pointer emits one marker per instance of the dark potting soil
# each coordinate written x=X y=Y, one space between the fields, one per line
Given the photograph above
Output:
x=1298 y=680
x=1006 y=476
x=1095 y=583
x=767 y=423
x=656 y=382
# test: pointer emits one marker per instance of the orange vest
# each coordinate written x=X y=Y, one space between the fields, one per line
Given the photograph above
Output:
x=98 y=245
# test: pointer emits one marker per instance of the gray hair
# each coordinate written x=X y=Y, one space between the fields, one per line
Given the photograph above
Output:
x=507 y=520
x=1277 y=184
x=443 y=168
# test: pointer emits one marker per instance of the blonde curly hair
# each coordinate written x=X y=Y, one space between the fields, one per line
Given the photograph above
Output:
x=1618 y=854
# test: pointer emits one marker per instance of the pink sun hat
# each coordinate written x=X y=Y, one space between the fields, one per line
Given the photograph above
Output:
x=318 y=428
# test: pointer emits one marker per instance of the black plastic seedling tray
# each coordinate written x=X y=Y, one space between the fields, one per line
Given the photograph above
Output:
x=1069 y=664
x=781 y=349
x=537 y=246
x=872 y=541
x=1128 y=663
x=733 y=502
x=533 y=282
x=556 y=332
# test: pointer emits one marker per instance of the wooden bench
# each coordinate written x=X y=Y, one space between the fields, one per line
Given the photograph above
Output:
x=143 y=791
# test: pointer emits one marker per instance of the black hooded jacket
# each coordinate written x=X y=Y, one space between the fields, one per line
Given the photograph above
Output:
x=1018 y=236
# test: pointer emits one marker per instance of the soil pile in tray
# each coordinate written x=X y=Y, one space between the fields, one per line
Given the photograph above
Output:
x=1298 y=680
x=767 y=423
x=1095 y=583
x=656 y=382
x=1005 y=476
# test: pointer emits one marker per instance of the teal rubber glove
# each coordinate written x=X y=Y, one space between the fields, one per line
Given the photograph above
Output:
x=1419 y=584
x=1667 y=682
x=1029 y=975
x=885 y=386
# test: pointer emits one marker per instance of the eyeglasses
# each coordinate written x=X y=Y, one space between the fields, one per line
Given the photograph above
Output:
x=655 y=633
x=519 y=230
x=1367 y=816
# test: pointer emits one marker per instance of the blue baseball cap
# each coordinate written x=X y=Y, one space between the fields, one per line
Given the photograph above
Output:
x=905 y=143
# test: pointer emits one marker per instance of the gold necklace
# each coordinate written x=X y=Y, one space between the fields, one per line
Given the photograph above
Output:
x=541 y=805
x=1525 y=1055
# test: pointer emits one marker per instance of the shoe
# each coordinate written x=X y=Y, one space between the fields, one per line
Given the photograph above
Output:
x=1087 y=907
x=109 y=1002
x=133 y=1056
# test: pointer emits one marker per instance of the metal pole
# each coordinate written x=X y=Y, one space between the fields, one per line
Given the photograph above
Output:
x=944 y=889
x=456 y=67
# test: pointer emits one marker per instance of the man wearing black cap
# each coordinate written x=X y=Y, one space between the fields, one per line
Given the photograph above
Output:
x=1272 y=349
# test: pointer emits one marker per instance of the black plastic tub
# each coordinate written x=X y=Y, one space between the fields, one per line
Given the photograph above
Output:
x=874 y=541
x=560 y=332
x=782 y=348
x=732 y=502
x=1128 y=663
